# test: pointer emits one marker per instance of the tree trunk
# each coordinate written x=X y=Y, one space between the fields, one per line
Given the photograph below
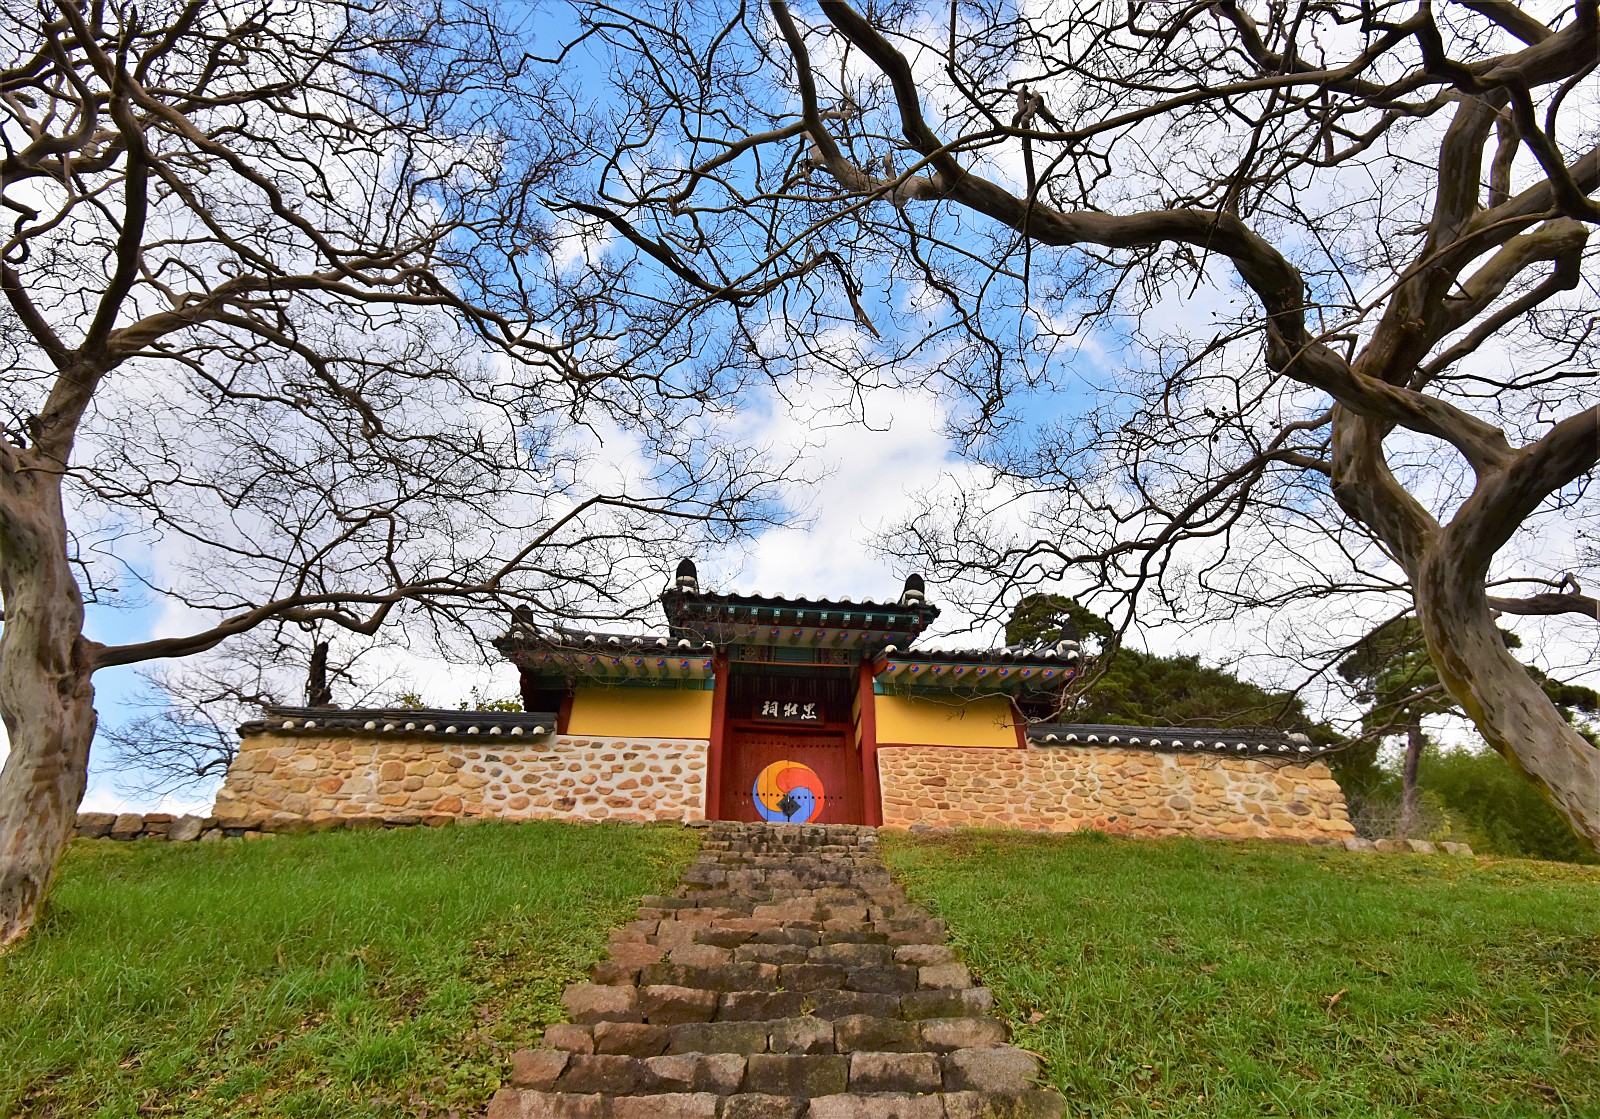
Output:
x=46 y=697
x=1510 y=709
x=1408 y=777
x=318 y=694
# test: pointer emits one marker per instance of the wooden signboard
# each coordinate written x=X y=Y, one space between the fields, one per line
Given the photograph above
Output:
x=768 y=709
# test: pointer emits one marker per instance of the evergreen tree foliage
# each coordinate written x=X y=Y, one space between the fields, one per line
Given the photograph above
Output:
x=1038 y=619
x=1148 y=690
x=1477 y=795
x=1495 y=810
x=1143 y=689
x=1396 y=681
x=1394 y=678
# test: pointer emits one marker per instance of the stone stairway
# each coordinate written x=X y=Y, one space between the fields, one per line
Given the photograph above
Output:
x=787 y=977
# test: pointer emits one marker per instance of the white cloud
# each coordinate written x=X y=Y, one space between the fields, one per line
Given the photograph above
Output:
x=869 y=471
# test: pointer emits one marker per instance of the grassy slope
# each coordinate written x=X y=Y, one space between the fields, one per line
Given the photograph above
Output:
x=344 y=975
x=1178 y=978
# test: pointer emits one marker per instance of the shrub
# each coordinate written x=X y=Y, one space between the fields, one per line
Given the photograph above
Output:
x=1496 y=810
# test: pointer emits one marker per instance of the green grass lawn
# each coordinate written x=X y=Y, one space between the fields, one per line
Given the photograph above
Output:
x=1177 y=978
x=342 y=974
x=388 y=973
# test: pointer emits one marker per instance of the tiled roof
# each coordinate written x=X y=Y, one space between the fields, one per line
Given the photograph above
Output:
x=606 y=655
x=583 y=641
x=1064 y=652
x=1243 y=743
x=1012 y=670
x=786 y=602
x=401 y=720
x=748 y=617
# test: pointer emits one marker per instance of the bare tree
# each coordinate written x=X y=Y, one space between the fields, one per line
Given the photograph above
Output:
x=1338 y=256
x=178 y=741
x=290 y=338
x=185 y=733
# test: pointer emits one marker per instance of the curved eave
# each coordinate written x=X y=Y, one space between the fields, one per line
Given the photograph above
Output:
x=988 y=676
x=608 y=656
x=1004 y=670
x=808 y=636
x=518 y=641
x=626 y=666
x=709 y=600
x=383 y=721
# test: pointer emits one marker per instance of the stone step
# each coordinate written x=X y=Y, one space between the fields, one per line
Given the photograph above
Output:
x=523 y=1103
x=844 y=953
x=771 y=840
x=829 y=855
x=757 y=841
x=896 y=931
x=877 y=904
x=727 y=934
x=795 y=975
x=804 y=992
x=692 y=913
x=1000 y=1068
x=800 y=1034
x=800 y=860
x=787 y=977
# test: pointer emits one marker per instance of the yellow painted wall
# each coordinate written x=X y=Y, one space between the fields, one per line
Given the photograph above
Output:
x=641 y=712
x=925 y=721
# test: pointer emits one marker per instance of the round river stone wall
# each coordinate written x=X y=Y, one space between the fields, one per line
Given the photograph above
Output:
x=1129 y=792
x=312 y=777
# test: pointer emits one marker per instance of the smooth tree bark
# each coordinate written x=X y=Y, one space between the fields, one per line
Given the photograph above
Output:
x=46 y=697
x=1508 y=706
x=1385 y=209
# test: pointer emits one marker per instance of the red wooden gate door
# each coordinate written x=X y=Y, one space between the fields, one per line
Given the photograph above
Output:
x=791 y=776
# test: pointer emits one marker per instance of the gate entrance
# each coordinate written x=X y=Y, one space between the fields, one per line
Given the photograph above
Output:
x=788 y=746
x=791 y=776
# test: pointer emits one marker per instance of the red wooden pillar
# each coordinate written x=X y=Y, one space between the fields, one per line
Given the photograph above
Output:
x=719 y=733
x=871 y=791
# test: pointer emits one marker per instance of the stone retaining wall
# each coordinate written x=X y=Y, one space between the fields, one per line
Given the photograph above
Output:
x=146 y=825
x=1130 y=792
x=188 y=828
x=164 y=826
x=283 y=777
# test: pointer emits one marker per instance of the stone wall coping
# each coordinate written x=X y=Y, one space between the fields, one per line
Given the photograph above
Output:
x=1231 y=741
x=426 y=722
